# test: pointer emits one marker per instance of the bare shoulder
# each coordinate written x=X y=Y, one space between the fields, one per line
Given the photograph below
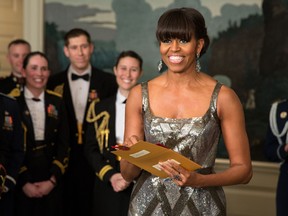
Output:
x=228 y=102
x=135 y=96
x=227 y=94
x=135 y=91
x=134 y=100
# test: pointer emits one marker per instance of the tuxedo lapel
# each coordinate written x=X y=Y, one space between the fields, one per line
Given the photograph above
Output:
x=47 y=118
x=68 y=101
x=109 y=106
x=112 y=126
x=92 y=94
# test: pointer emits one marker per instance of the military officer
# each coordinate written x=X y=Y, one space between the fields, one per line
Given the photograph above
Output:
x=80 y=84
x=276 y=149
x=11 y=151
x=39 y=188
x=105 y=130
x=12 y=84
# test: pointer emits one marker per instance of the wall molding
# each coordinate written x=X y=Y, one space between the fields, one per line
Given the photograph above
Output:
x=33 y=21
x=258 y=196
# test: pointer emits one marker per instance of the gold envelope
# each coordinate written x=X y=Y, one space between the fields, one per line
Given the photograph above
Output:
x=147 y=155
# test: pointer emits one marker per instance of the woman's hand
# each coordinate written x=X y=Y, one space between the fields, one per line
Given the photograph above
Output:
x=131 y=141
x=178 y=174
x=129 y=171
x=31 y=190
x=286 y=148
x=118 y=182
x=45 y=187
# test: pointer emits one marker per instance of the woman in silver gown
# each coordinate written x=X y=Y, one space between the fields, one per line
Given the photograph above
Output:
x=186 y=111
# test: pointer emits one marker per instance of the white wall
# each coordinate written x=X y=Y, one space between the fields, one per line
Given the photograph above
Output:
x=256 y=198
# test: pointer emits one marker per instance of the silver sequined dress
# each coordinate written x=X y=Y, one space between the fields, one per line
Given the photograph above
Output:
x=197 y=139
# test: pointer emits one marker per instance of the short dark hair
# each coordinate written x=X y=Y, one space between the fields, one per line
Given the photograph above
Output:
x=19 y=41
x=30 y=55
x=76 y=32
x=182 y=23
x=129 y=53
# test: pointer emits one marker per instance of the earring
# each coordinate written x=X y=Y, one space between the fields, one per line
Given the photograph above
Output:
x=160 y=64
x=198 y=66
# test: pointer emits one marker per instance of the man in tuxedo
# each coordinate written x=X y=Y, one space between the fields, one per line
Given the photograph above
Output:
x=80 y=84
x=17 y=51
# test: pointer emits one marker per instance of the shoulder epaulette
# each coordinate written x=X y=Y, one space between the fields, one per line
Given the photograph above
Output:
x=278 y=101
x=53 y=93
x=59 y=89
x=7 y=96
x=4 y=77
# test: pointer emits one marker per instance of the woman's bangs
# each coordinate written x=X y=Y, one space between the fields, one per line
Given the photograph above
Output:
x=175 y=27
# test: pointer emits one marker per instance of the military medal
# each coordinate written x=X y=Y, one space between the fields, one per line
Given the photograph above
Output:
x=283 y=115
x=93 y=95
x=8 y=121
x=52 y=111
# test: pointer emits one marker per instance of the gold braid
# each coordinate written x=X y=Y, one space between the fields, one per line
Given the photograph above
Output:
x=2 y=179
x=101 y=130
x=14 y=92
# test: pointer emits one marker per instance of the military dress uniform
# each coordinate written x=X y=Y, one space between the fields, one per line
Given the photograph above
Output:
x=45 y=157
x=12 y=143
x=4 y=148
x=11 y=85
x=276 y=139
x=100 y=137
x=79 y=179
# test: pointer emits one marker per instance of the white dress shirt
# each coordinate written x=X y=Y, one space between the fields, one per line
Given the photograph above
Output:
x=79 y=91
x=37 y=113
x=120 y=117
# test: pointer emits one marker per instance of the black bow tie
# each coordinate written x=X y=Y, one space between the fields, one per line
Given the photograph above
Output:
x=84 y=77
x=36 y=99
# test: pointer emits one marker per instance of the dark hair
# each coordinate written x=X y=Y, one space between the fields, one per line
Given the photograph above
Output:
x=129 y=53
x=19 y=41
x=182 y=23
x=76 y=32
x=30 y=55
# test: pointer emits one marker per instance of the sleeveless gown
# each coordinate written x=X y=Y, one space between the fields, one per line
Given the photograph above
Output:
x=197 y=139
